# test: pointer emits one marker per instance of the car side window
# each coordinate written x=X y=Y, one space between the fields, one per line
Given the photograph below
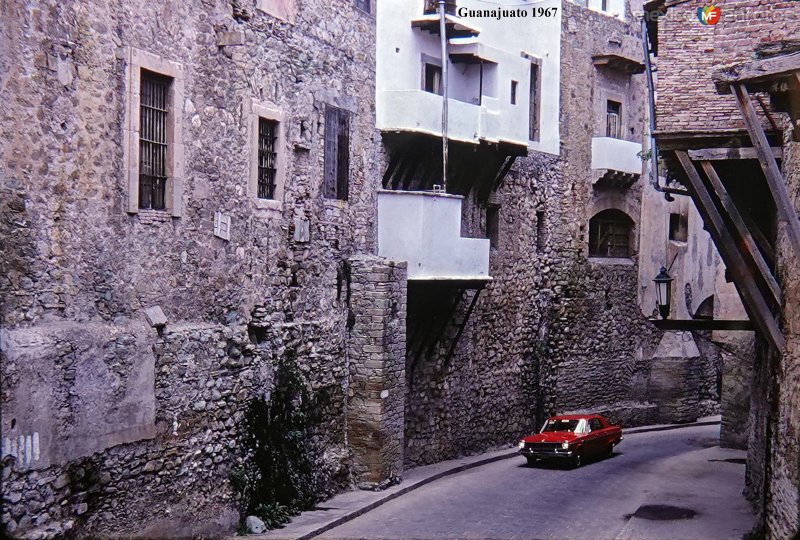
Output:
x=595 y=424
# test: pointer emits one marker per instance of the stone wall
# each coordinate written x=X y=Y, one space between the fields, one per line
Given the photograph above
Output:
x=137 y=432
x=684 y=44
x=376 y=358
x=783 y=457
x=553 y=330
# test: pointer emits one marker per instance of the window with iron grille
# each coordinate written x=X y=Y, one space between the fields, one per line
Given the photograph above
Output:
x=614 y=119
x=610 y=234
x=337 y=153
x=153 y=114
x=363 y=5
x=267 y=157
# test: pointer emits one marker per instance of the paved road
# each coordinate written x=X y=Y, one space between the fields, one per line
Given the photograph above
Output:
x=682 y=468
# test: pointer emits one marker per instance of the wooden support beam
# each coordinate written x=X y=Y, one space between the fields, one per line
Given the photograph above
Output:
x=754 y=302
x=763 y=243
x=714 y=154
x=461 y=327
x=755 y=72
x=786 y=212
x=699 y=325
x=750 y=247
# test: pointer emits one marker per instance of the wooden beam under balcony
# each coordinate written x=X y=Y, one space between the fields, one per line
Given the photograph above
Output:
x=754 y=302
x=758 y=75
x=717 y=154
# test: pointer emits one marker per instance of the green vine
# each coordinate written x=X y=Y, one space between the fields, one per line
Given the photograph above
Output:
x=276 y=480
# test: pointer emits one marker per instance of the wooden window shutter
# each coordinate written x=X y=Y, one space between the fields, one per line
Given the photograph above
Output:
x=331 y=157
x=343 y=156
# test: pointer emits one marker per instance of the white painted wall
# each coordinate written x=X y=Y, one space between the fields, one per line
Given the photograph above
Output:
x=614 y=8
x=616 y=154
x=424 y=229
x=402 y=105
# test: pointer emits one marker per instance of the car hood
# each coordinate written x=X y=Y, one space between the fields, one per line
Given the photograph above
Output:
x=554 y=437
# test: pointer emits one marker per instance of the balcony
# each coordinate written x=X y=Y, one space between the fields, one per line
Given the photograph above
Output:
x=424 y=229
x=615 y=162
x=421 y=112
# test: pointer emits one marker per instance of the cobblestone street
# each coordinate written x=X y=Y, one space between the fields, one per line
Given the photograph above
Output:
x=683 y=468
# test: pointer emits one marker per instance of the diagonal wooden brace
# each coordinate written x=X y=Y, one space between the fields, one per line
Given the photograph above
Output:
x=754 y=302
x=786 y=211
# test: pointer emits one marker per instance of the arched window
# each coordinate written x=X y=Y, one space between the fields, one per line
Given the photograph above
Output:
x=610 y=234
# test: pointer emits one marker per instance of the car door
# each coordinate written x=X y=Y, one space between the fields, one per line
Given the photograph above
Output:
x=597 y=436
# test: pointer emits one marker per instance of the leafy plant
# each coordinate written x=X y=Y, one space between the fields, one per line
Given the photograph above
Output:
x=277 y=478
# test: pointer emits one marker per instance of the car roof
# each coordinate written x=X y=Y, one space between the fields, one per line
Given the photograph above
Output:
x=574 y=416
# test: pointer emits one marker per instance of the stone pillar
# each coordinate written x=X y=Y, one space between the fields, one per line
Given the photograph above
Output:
x=376 y=353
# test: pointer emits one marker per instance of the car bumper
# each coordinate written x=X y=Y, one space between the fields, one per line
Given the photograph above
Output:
x=533 y=454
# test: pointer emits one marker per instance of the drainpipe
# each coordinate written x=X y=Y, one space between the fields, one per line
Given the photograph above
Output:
x=443 y=35
x=668 y=192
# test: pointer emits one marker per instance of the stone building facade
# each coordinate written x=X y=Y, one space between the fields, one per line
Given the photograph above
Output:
x=133 y=338
x=144 y=310
x=705 y=115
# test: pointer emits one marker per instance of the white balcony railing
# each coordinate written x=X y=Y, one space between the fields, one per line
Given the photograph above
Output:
x=424 y=229
x=421 y=111
x=616 y=155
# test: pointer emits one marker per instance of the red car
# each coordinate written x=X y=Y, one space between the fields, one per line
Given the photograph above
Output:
x=572 y=438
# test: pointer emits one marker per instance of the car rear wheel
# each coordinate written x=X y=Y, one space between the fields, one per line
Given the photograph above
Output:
x=609 y=450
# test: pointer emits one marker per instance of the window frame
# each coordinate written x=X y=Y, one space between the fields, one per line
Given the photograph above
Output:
x=620 y=124
x=535 y=100
x=340 y=186
x=612 y=217
x=493 y=225
x=514 y=90
x=360 y=3
x=425 y=61
x=257 y=111
x=135 y=61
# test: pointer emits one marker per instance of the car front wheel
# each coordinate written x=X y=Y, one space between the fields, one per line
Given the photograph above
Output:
x=531 y=461
x=577 y=460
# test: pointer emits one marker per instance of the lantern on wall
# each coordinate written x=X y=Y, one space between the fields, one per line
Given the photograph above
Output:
x=663 y=283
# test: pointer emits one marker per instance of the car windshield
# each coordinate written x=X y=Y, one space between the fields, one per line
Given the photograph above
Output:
x=560 y=425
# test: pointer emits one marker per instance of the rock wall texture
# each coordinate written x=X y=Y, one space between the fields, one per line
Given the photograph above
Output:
x=684 y=43
x=376 y=356
x=555 y=330
x=113 y=428
x=771 y=429
x=783 y=460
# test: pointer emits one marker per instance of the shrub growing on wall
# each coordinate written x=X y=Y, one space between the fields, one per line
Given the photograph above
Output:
x=277 y=479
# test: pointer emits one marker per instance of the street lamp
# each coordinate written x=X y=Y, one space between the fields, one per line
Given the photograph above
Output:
x=663 y=283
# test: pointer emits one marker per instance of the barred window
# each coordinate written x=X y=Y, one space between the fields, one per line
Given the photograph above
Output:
x=610 y=234
x=337 y=153
x=267 y=157
x=153 y=114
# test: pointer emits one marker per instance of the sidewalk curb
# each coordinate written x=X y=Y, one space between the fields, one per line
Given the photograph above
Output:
x=374 y=504
x=669 y=427
x=454 y=470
